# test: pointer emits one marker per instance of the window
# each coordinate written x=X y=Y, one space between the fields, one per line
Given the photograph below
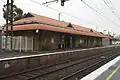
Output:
x=70 y=25
x=62 y=37
x=52 y=40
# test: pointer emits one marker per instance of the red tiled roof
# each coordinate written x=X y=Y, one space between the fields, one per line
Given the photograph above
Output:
x=76 y=29
x=52 y=28
x=44 y=19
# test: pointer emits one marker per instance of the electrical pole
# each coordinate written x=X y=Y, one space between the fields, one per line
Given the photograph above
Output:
x=11 y=21
x=96 y=28
x=59 y=16
x=50 y=2
x=7 y=25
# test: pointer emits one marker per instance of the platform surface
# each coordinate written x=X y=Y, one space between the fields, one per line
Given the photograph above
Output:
x=112 y=73
x=109 y=71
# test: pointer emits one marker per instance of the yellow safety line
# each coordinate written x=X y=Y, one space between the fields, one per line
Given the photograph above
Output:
x=108 y=78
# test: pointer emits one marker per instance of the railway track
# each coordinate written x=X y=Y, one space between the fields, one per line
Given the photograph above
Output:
x=82 y=72
x=62 y=70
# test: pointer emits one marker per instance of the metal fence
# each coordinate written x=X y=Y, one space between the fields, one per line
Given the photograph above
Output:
x=20 y=43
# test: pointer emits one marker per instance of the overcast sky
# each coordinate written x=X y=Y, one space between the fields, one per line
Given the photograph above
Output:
x=82 y=14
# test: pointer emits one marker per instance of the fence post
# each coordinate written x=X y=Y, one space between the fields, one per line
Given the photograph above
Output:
x=20 y=44
x=10 y=43
x=17 y=43
x=26 y=43
x=3 y=42
x=32 y=43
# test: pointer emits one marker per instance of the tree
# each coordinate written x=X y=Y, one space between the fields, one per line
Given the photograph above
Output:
x=17 y=12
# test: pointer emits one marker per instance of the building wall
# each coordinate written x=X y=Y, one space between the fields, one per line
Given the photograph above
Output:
x=23 y=41
x=79 y=41
x=43 y=40
x=19 y=43
x=48 y=40
x=24 y=33
x=36 y=40
x=105 y=41
x=87 y=41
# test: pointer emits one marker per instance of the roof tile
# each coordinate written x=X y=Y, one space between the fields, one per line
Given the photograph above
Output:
x=76 y=29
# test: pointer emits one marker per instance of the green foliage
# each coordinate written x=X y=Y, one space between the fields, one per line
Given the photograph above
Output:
x=17 y=12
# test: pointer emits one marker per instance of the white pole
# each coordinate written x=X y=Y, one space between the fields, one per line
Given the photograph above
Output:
x=26 y=43
x=17 y=43
x=96 y=28
x=20 y=44
x=32 y=43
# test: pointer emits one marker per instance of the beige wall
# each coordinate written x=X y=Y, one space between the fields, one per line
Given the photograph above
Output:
x=42 y=40
x=24 y=33
x=105 y=41
x=23 y=40
x=49 y=40
x=79 y=41
x=21 y=43
x=45 y=40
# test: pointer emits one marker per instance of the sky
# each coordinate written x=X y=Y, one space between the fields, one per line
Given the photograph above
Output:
x=76 y=12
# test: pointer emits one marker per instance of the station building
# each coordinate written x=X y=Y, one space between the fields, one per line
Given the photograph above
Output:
x=35 y=32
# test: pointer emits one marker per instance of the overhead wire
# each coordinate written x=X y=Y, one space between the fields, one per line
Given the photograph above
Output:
x=100 y=13
x=111 y=8
x=114 y=8
x=93 y=9
x=99 y=9
x=96 y=8
x=61 y=12
x=50 y=2
x=107 y=4
x=3 y=1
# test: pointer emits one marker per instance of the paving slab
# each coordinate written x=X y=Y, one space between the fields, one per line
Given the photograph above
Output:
x=112 y=73
x=109 y=71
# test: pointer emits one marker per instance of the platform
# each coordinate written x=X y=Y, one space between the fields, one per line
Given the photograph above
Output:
x=112 y=73
x=109 y=71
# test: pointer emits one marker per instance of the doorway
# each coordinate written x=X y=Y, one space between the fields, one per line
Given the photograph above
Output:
x=69 y=41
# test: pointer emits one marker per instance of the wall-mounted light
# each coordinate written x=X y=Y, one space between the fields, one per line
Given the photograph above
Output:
x=37 y=31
